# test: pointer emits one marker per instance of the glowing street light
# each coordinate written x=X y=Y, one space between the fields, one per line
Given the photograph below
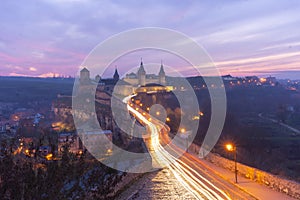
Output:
x=182 y=130
x=185 y=135
x=109 y=151
x=49 y=156
x=168 y=119
x=231 y=148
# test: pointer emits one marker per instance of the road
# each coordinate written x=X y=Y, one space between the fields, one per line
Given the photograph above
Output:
x=280 y=123
x=197 y=178
x=161 y=184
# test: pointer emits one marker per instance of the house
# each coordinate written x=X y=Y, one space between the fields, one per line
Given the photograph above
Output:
x=71 y=139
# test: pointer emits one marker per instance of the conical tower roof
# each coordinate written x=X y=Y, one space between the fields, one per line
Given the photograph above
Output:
x=116 y=74
x=141 y=69
x=161 y=71
x=84 y=70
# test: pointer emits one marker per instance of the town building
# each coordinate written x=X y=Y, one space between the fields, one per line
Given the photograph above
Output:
x=72 y=140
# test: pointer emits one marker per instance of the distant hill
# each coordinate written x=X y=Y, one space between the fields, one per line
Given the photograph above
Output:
x=27 y=89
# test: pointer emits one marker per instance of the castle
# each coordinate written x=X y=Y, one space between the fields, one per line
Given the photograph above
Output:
x=128 y=84
x=141 y=78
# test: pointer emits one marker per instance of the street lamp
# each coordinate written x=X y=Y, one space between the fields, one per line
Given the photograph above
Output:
x=232 y=148
x=185 y=136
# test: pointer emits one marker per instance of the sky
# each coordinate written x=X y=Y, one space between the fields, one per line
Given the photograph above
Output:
x=242 y=37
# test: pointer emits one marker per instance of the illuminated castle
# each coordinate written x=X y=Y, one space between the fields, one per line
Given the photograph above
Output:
x=141 y=78
x=128 y=84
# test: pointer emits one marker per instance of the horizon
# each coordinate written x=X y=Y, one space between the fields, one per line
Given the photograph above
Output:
x=106 y=77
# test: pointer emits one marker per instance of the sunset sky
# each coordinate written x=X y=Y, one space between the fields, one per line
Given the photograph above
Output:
x=243 y=37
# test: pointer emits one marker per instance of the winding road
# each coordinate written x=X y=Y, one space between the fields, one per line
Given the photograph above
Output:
x=193 y=174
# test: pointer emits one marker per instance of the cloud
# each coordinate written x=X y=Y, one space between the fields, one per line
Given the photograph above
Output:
x=33 y=69
x=18 y=74
x=49 y=74
x=281 y=45
x=37 y=54
x=258 y=59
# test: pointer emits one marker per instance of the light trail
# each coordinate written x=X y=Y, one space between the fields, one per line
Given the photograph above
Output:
x=190 y=179
x=188 y=168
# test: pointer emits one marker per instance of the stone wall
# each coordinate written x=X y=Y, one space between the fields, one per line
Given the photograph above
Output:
x=275 y=182
x=130 y=178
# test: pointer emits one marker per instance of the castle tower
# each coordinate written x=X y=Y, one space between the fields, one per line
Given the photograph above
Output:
x=97 y=78
x=162 y=75
x=85 y=76
x=141 y=74
x=116 y=75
